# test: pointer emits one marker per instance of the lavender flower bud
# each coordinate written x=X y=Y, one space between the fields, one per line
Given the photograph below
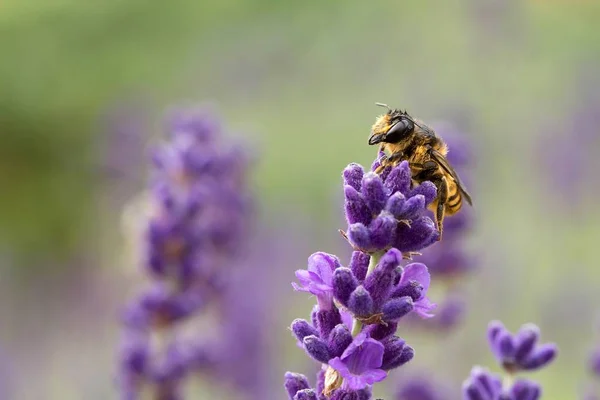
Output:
x=482 y=385
x=339 y=339
x=294 y=383
x=399 y=178
x=353 y=175
x=374 y=193
x=526 y=339
x=421 y=233
x=407 y=354
x=316 y=348
x=306 y=394
x=301 y=329
x=540 y=357
x=425 y=189
x=382 y=231
x=412 y=289
x=360 y=302
x=525 y=390
x=395 y=204
x=357 y=210
x=382 y=331
x=359 y=264
x=327 y=320
x=379 y=282
x=345 y=394
x=359 y=236
x=393 y=348
x=412 y=207
x=344 y=284
x=397 y=308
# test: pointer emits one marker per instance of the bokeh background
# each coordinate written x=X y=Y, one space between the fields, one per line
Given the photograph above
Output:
x=83 y=88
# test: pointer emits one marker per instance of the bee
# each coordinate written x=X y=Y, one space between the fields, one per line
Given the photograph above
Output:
x=403 y=137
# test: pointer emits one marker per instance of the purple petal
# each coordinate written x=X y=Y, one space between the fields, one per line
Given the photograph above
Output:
x=337 y=364
x=424 y=307
x=374 y=375
x=323 y=264
x=363 y=354
x=416 y=272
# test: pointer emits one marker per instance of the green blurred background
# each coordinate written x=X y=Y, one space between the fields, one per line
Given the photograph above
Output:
x=83 y=87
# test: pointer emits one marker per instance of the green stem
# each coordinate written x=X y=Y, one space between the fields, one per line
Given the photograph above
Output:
x=375 y=257
x=507 y=382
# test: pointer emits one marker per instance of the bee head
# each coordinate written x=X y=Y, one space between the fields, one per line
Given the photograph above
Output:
x=391 y=127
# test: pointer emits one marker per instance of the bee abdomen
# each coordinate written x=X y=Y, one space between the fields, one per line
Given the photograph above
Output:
x=454 y=201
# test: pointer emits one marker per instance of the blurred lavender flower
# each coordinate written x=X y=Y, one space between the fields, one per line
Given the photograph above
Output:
x=574 y=143
x=515 y=353
x=595 y=362
x=419 y=388
x=195 y=232
x=352 y=329
x=592 y=391
x=519 y=352
x=448 y=260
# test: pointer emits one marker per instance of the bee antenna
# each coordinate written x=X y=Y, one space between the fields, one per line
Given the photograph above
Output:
x=384 y=105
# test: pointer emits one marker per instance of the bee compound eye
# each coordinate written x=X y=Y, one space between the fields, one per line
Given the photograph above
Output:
x=400 y=129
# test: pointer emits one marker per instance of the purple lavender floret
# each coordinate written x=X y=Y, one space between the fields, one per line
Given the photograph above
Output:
x=383 y=211
x=520 y=351
x=377 y=298
x=483 y=385
x=195 y=229
x=360 y=364
x=298 y=388
x=386 y=295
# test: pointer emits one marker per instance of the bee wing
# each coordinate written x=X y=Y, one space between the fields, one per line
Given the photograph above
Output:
x=441 y=160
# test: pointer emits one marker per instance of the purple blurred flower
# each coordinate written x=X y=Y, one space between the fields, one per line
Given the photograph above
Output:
x=360 y=364
x=515 y=353
x=520 y=351
x=595 y=362
x=383 y=211
x=419 y=388
x=195 y=231
x=482 y=385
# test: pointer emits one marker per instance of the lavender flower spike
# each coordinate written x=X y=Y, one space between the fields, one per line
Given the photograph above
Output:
x=196 y=227
x=352 y=328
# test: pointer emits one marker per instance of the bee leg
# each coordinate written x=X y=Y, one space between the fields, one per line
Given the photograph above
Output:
x=442 y=186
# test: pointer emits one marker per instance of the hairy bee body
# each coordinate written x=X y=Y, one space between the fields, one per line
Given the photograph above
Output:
x=402 y=137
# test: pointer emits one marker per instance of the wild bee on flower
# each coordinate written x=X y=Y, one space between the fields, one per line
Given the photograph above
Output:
x=402 y=138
